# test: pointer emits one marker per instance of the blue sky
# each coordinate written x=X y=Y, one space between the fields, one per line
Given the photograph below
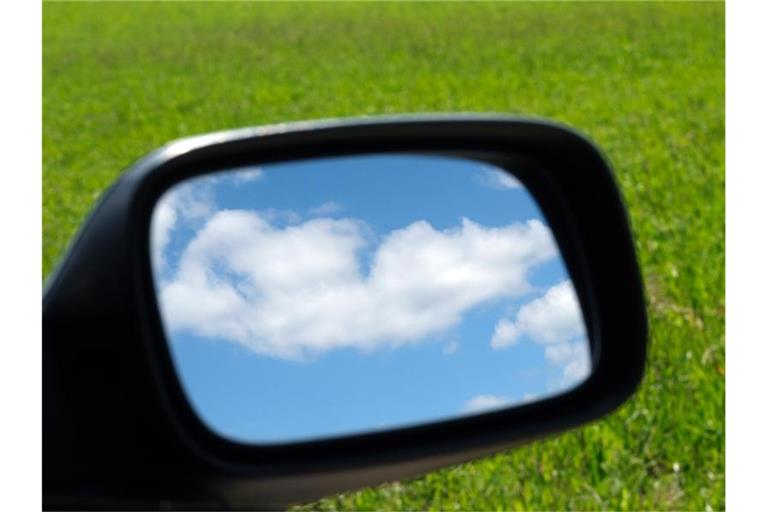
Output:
x=327 y=297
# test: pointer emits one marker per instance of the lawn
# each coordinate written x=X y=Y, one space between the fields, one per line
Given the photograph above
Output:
x=646 y=81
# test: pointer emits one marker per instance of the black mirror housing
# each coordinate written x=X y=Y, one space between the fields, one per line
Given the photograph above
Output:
x=118 y=430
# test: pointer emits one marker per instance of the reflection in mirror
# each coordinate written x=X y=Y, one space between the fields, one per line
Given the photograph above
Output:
x=336 y=296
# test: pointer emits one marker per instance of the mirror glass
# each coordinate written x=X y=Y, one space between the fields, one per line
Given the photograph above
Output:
x=336 y=296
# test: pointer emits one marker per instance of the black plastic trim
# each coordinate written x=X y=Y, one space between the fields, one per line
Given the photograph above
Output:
x=102 y=328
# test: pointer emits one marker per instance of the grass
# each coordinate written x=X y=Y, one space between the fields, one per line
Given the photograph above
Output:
x=644 y=80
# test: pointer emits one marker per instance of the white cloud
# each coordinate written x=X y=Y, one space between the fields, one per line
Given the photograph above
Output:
x=531 y=397
x=504 y=335
x=573 y=358
x=553 y=320
x=275 y=215
x=498 y=179
x=245 y=174
x=326 y=209
x=578 y=367
x=483 y=403
x=163 y=220
x=451 y=348
x=301 y=290
x=191 y=201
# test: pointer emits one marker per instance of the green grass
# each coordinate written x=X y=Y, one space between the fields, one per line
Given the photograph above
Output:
x=644 y=80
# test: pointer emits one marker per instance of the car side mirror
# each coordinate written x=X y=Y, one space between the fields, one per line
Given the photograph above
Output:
x=264 y=316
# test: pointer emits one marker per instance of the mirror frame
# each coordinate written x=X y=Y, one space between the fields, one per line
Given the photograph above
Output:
x=116 y=416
